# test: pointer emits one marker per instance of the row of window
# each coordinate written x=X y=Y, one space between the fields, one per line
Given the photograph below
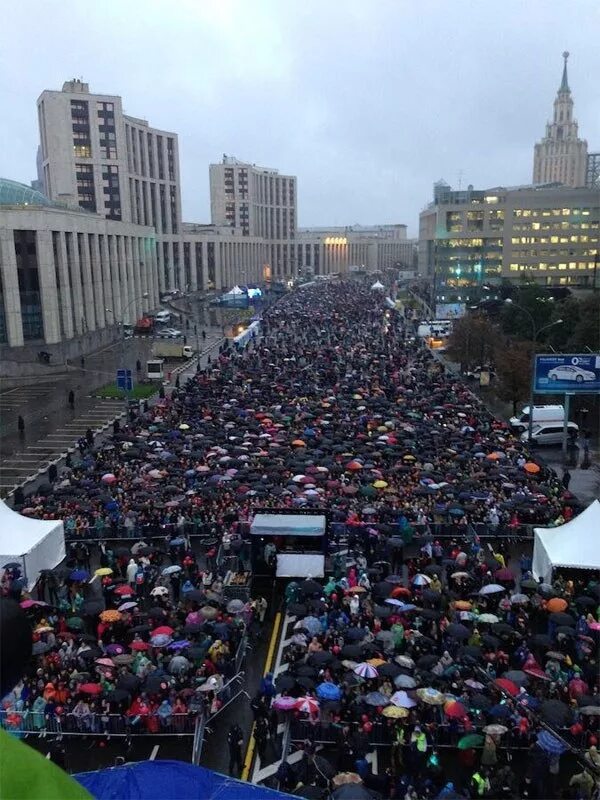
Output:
x=544 y=267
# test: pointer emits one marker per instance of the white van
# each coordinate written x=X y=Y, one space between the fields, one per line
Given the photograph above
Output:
x=550 y=434
x=541 y=414
x=163 y=316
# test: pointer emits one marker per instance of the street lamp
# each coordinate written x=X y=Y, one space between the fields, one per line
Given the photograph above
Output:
x=121 y=322
x=535 y=333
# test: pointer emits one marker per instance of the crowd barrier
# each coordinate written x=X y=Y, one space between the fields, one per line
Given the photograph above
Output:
x=39 y=723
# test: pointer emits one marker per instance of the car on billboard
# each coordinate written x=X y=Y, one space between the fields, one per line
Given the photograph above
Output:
x=569 y=372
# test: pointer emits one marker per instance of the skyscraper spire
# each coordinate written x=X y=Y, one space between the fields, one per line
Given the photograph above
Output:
x=564 y=84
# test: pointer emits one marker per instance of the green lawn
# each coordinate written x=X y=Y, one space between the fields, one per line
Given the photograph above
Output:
x=139 y=392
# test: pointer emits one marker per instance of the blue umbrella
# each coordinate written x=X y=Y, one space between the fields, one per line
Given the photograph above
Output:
x=500 y=711
x=550 y=743
x=311 y=624
x=180 y=644
x=79 y=575
x=328 y=691
x=175 y=543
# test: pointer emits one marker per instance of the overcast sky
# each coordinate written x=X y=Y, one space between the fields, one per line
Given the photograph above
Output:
x=368 y=103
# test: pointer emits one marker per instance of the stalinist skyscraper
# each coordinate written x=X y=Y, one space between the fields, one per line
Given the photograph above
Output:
x=561 y=156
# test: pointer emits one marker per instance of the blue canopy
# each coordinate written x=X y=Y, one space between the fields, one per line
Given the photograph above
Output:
x=156 y=780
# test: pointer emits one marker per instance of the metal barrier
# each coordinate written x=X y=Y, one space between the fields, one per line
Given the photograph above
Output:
x=37 y=722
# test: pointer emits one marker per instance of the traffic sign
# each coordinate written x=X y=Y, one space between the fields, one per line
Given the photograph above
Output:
x=124 y=380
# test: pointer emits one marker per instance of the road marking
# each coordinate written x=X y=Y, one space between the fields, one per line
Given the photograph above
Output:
x=154 y=752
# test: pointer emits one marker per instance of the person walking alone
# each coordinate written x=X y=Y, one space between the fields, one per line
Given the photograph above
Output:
x=235 y=740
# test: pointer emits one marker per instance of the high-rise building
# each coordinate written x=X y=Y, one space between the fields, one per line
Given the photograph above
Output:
x=470 y=240
x=96 y=157
x=592 y=178
x=258 y=200
x=561 y=156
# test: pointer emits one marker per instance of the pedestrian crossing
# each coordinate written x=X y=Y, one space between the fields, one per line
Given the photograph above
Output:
x=14 y=399
x=33 y=459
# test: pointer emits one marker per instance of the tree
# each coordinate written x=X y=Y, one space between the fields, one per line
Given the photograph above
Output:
x=515 y=322
x=472 y=341
x=513 y=370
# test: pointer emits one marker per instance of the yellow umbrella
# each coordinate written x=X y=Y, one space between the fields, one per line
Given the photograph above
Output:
x=380 y=484
x=184 y=426
x=408 y=457
x=395 y=712
x=376 y=662
x=103 y=571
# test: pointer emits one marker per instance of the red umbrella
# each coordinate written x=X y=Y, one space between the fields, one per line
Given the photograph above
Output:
x=90 y=688
x=124 y=590
x=455 y=710
x=139 y=646
x=401 y=591
x=163 y=629
x=308 y=704
x=507 y=685
x=537 y=672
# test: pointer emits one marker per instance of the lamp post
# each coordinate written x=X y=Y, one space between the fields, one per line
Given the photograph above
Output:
x=535 y=333
x=121 y=322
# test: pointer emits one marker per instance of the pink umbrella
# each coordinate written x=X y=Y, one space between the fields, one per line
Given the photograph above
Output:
x=31 y=603
x=104 y=662
x=284 y=703
x=127 y=606
x=109 y=478
x=308 y=704
x=594 y=626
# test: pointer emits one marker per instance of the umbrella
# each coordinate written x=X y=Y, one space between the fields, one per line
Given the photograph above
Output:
x=127 y=606
x=489 y=618
x=491 y=588
x=117 y=696
x=531 y=467
x=105 y=662
x=376 y=699
x=455 y=710
x=421 y=580
x=516 y=676
x=404 y=682
x=556 y=604
x=495 y=729
x=123 y=591
x=430 y=696
x=235 y=606
x=470 y=740
x=365 y=670
x=308 y=705
x=79 y=575
x=456 y=631
x=111 y=616
x=103 y=571
x=75 y=623
x=40 y=647
x=519 y=599
x=405 y=661
x=310 y=588
x=507 y=686
x=163 y=629
x=550 y=743
x=162 y=640
x=561 y=619
x=402 y=700
x=555 y=712
x=284 y=703
x=139 y=646
x=90 y=688
x=480 y=701
x=590 y=711
x=328 y=691
x=395 y=712
x=171 y=570
x=311 y=624
x=115 y=649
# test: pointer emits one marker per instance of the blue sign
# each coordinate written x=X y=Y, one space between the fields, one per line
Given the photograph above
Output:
x=572 y=374
x=124 y=380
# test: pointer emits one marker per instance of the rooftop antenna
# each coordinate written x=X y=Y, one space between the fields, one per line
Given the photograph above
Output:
x=460 y=176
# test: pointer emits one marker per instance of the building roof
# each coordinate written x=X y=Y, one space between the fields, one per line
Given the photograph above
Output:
x=564 y=84
x=13 y=193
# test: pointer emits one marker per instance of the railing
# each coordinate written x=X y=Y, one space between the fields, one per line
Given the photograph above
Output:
x=38 y=722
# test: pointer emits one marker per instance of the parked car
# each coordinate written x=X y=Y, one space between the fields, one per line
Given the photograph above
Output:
x=550 y=434
x=569 y=372
x=170 y=333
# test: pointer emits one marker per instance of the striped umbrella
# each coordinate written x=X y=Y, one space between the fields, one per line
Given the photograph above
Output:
x=365 y=670
x=308 y=704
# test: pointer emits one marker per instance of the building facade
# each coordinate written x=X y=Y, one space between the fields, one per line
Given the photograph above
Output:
x=469 y=241
x=66 y=273
x=561 y=156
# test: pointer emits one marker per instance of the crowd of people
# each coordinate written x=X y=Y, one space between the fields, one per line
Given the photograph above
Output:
x=335 y=406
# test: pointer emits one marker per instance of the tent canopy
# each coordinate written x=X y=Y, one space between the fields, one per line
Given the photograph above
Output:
x=34 y=543
x=288 y=525
x=156 y=780
x=378 y=286
x=235 y=291
x=576 y=544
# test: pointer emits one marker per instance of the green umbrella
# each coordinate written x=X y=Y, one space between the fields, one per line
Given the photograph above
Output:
x=470 y=740
x=75 y=622
x=368 y=491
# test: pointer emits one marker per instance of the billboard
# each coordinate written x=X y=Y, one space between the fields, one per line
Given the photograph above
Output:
x=572 y=374
x=450 y=310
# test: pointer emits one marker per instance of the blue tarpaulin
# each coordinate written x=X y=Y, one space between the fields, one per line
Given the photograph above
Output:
x=288 y=525
x=166 y=780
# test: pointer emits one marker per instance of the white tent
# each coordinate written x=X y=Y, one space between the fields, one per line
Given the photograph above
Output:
x=576 y=544
x=36 y=544
x=236 y=291
x=377 y=286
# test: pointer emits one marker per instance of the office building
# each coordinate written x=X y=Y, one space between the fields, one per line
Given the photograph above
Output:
x=68 y=275
x=561 y=156
x=592 y=178
x=469 y=241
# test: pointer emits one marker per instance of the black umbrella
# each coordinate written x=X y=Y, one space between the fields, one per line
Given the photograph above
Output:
x=389 y=670
x=320 y=658
x=157 y=611
x=128 y=683
x=541 y=640
x=555 y=712
x=561 y=618
x=117 y=696
x=155 y=683
x=351 y=651
x=297 y=610
x=305 y=669
x=426 y=662
x=195 y=594
x=90 y=608
x=285 y=682
x=456 y=631
x=480 y=701
x=429 y=613
x=310 y=587
x=586 y=601
x=193 y=627
x=306 y=682
x=354 y=634
x=383 y=589
x=470 y=651
x=433 y=569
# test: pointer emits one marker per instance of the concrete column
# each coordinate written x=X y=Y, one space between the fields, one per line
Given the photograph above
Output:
x=78 y=301
x=137 y=272
x=218 y=267
x=66 y=290
x=124 y=315
x=171 y=266
x=88 y=289
x=98 y=281
x=108 y=319
x=115 y=277
x=10 y=287
x=48 y=288
x=205 y=266
x=193 y=273
x=155 y=278
x=131 y=313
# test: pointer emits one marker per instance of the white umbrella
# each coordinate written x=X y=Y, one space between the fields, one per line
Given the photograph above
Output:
x=365 y=670
x=491 y=588
x=402 y=700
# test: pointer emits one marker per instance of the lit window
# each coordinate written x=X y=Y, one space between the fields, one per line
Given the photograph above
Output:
x=566 y=212
x=535 y=226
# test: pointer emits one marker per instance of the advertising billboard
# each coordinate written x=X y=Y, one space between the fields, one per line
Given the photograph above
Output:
x=572 y=374
x=450 y=310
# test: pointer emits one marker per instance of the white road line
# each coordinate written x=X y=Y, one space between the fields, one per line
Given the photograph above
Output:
x=154 y=752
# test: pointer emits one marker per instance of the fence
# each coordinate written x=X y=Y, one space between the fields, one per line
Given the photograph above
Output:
x=37 y=722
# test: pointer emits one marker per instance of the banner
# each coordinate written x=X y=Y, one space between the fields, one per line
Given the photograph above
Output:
x=572 y=374
x=450 y=310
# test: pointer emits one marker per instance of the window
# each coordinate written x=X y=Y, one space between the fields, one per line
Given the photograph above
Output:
x=173 y=207
x=86 y=191
x=112 y=191
x=82 y=144
x=171 y=158
x=150 y=155
x=160 y=157
x=106 y=129
x=29 y=284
